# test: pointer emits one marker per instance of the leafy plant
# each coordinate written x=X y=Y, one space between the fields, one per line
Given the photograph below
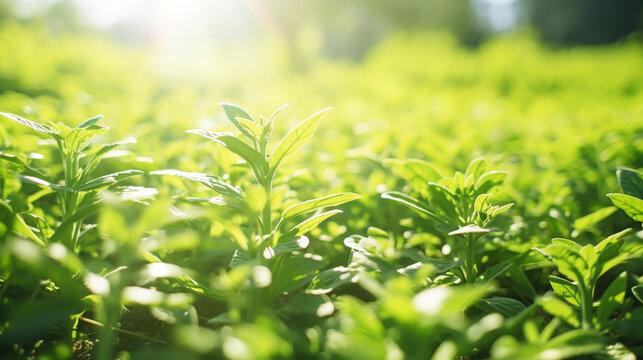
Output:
x=457 y=205
x=268 y=243
x=583 y=266
x=77 y=190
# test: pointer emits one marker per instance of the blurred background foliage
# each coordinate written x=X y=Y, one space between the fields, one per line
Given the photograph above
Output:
x=549 y=91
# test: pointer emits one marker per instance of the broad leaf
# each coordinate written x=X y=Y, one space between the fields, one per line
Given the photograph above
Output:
x=293 y=272
x=612 y=298
x=330 y=200
x=489 y=180
x=506 y=306
x=632 y=206
x=560 y=309
x=296 y=138
x=566 y=289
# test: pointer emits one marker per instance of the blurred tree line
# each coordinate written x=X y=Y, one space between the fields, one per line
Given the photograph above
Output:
x=339 y=28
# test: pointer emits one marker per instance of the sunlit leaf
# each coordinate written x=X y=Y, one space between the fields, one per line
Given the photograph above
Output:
x=296 y=138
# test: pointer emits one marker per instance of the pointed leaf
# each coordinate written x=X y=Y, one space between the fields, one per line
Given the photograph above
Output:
x=250 y=155
x=638 y=292
x=506 y=306
x=90 y=122
x=233 y=112
x=309 y=205
x=34 y=125
x=107 y=180
x=296 y=138
x=587 y=221
x=210 y=181
x=410 y=202
x=311 y=223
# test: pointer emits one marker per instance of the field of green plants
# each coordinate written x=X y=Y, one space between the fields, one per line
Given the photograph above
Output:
x=453 y=204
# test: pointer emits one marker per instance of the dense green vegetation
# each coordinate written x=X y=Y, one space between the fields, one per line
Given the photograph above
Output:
x=453 y=203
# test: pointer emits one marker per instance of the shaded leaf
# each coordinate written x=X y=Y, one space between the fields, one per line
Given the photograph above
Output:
x=506 y=306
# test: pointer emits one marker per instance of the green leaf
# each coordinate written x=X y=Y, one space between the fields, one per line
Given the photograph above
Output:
x=95 y=160
x=442 y=199
x=80 y=214
x=506 y=306
x=638 y=292
x=494 y=271
x=107 y=180
x=90 y=122
x=294 y=271
x=252 y=127
x=560 y=309
x=489 y=180
x=312 y=222
x=632 y=206
x=417 y=172
x=22 y=166
x=612 y=298
x=443 y=265
x=469 y=229
x=296 y=138
x=587 y=221
x=476 y=168
x=34 y=125
x=330 y=279
x=233 y=112
x=309 y=205
x=234 y=145
x=210 y=181
x=410 y=202
x=566 y=289
x=631 y=182
x=41 y=182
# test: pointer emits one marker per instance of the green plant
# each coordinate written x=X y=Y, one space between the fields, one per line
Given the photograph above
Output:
x=77 y=190
x=457 y=205
x=268 y=243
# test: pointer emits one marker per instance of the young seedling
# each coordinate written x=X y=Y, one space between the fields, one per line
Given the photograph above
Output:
x=266 y=238
x=77 y=190
x=458 y=205
x=582 y=266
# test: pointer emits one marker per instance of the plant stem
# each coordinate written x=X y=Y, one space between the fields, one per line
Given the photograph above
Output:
x=587 y=296
x=470 y=260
